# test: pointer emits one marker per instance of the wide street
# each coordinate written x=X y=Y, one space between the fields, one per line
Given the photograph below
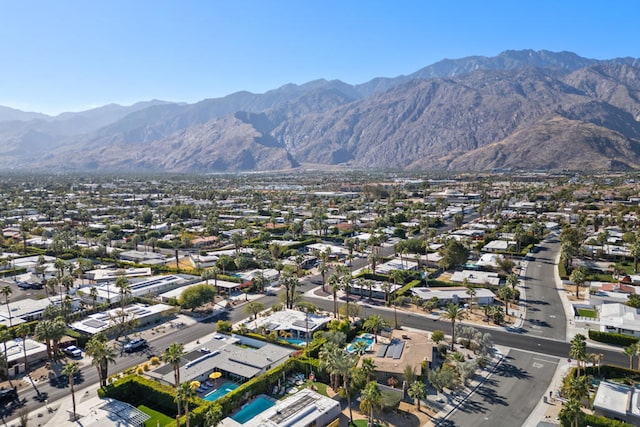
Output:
x=505 y=399
x=545 y=313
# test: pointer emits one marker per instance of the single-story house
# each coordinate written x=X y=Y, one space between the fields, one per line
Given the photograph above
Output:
x=102 y=322
x=619 y=318
x=455 y=295
x=618 y=402
x=476 y=277
x=238 y=358
x=293 y=323
x=302 y=409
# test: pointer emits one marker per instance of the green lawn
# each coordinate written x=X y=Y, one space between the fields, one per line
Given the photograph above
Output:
x=157 y=418
x=321 y=387
x=587 y=312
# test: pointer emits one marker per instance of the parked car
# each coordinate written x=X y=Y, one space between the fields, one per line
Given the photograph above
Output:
x=8 y=395
x=135 y=345
x=73 y=351
x=24 y=285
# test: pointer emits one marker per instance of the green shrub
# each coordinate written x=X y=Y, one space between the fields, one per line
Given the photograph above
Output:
x=596 y=421
x=613 y=338
x=390 y=400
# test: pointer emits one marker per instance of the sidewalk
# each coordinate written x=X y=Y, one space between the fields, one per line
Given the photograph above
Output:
x=456 y=400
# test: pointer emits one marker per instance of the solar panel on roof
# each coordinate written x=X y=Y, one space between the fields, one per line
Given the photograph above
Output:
x=94 y=323
x=299 y=323
x=383 y=350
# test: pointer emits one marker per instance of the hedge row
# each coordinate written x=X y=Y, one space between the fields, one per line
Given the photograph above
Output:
x=596 y=421
x=613 y=338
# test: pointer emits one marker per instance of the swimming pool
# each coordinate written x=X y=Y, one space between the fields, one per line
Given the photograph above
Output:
x=367 y=338
x=252 y=409
x=296 y=341
x=225 y=388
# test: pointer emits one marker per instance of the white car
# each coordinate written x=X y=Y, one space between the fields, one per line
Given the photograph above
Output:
x=73 y=351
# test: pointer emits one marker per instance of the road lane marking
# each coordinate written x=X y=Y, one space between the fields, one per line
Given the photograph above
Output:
x=544 y=360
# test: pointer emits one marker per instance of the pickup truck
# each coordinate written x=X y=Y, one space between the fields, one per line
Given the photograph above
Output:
x=135 y=345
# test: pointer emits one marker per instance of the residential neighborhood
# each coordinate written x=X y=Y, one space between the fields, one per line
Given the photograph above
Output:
x=250 y=299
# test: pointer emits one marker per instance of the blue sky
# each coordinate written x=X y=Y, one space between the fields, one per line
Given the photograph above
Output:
x=72 y=55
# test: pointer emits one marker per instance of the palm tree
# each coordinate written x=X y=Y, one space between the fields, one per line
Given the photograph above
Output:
x=374 y=324
x=213 y=416
x=417 y=392
x=505 y=293
x=23 y=331
x=124 y=288
x=373 y=259
x=173 y=354
x=577 y=387
x=5 y=336
x=471 y=291
x=58 y=331
x=397 y=301
x=342 y=364
x=512 y=280
x=370 y=398
x=184 y=393
x=323 y=269
x=368 y=367
x=43 y=333
x=596 y=359
x=101 y=355
x=7 y=291
x=93 y=293
x=571 y=413
x=71 y=369
x=578 y=277
x=334 y=282
x=578 y=349
x=453 y=313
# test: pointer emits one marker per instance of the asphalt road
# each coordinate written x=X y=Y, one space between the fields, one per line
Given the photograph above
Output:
x=508 y=397
x=519 y=340
x=545 y=313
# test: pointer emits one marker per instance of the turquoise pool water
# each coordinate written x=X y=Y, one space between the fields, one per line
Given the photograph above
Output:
x=296 y=341
x=368 y=338
x=255 y=407
x=225 y=388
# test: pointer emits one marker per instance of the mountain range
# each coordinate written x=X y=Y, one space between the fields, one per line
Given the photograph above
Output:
x=520 y=110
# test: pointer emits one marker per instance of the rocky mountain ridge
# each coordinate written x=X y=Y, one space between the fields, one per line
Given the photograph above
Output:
x=520 y=109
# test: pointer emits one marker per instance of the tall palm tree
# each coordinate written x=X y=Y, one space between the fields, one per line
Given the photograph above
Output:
x=101 y=355
x=23 y=332
x=7 y=291
x=70 y=369
x=578 y=349
x=184 y=393
x=173 y=354
x=370 y=399
x=471 y=291
x=397 y=301
x=58 y=331
x=5 y=336
x=596 y=359
x=323 y=268
x=334 y=282
x=453 y=313
x=43 y=332
x=124 y=289
x=578 y=277
x=374 y=324
x=417 y=392
x=93 y=293
x=343 y=364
